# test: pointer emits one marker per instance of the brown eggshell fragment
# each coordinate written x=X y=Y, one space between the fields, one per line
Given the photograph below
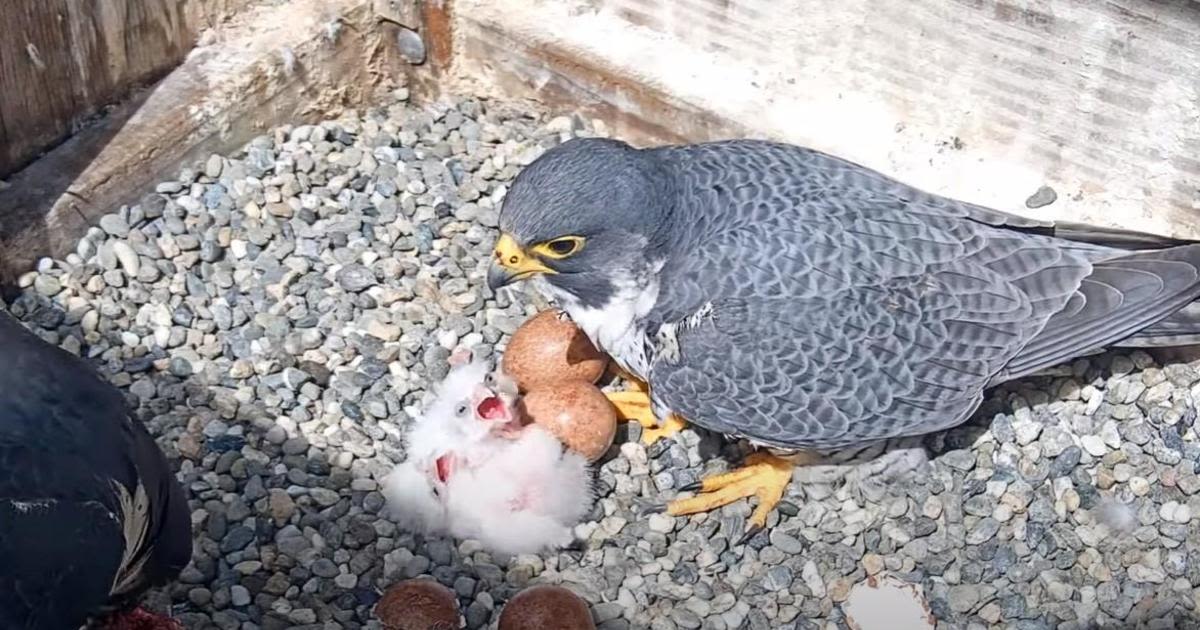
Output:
x=418 y=604
x=577 y=413
x=546 y=607
x=550 y=349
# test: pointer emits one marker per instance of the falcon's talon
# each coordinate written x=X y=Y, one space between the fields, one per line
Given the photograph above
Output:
x=765 y=477
x=646 y=508
x=751 y=532
x=633 y=405
x=691 y=487
x=654 y=450
x=673 y=424
x=653 y=508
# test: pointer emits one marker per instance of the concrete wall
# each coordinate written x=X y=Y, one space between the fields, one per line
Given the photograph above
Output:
x=983 y=100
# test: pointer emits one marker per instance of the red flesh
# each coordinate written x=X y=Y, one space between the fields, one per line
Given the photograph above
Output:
x=443 y=465
x=492 y=408
x=141 y=619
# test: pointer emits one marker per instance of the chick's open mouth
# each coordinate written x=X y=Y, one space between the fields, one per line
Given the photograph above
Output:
x=492 y=408
x=443 y=467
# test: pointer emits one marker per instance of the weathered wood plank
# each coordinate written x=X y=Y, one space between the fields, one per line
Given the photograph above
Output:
x=62 y=61
x=33 y=58
x=275 y=65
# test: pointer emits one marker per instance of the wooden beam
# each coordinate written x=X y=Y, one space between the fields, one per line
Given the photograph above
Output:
x=63 y=61
x=293 y=63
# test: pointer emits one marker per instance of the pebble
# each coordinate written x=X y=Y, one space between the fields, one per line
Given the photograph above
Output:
x=963 y=598
x=127 y=258
x=661 y=523
x=114 y=225
x=786 y=543
x=812 y=579
x=1027 y=430
x=355 y=278
x=1094 y=445
x=239 y=595
x=1044 y=196
x=277 y=314
x=1175 y=512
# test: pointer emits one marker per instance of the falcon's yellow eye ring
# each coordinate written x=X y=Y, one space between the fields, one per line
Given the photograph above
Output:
x=560 y=248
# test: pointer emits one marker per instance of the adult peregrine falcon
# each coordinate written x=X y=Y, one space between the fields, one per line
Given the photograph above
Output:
x=804 y=302
x=91 y=515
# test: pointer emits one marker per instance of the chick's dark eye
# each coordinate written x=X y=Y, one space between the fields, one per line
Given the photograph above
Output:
x=490 y=379
x=563 y=247
x=462 y=410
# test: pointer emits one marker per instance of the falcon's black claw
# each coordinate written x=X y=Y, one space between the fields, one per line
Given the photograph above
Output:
x=750 y=534
x=692 y=487
x=576 y=546
x=653 y=508
x=657 y=449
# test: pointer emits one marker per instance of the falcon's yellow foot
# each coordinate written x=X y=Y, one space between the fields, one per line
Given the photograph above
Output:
x=633 y=383
x=764 y=476
x=672 y=425
x=633 y=405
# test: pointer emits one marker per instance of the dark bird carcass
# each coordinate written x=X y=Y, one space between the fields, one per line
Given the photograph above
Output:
x=816 y=307
x=91 y=515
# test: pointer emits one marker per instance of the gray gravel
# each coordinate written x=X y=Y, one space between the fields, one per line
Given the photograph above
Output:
x=276 y=316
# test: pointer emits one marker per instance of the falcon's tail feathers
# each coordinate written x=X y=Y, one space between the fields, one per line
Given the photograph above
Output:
x=1181 y=328
x=1121 y=299
x=1112 y=237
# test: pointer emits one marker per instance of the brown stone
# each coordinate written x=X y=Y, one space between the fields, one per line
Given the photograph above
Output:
x=418 y=604
x=544 y=607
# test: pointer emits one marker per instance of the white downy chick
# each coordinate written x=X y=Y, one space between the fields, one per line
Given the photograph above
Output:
x=439 y=439
x=526 y=497
x=473 y=470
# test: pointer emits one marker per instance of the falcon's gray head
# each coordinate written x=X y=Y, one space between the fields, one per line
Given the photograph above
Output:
x=580 y=215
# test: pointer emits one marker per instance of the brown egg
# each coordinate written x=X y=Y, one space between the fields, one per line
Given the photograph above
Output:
x=548 y=349
x=577 y=413
x=546 y=607
x=418 y=604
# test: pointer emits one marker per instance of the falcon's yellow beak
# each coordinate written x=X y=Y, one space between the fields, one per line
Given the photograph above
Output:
x=511 y=263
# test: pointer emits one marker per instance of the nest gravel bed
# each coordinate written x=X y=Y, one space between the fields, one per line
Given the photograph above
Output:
x=277 y=315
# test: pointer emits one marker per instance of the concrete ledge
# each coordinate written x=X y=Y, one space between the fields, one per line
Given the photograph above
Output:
x=983 y=100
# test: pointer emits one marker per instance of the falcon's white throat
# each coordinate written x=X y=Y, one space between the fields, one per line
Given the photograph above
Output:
x=616 y=327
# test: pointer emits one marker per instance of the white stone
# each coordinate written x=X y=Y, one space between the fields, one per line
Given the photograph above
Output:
x=1094 y=445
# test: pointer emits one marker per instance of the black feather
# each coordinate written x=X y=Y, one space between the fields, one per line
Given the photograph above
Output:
x=69 y=451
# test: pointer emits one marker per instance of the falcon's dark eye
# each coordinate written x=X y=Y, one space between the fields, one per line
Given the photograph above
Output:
x=562 y=247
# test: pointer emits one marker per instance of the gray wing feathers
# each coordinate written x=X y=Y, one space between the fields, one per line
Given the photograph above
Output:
x=1180 y=328
x=847 y=308
x=1121 y=297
